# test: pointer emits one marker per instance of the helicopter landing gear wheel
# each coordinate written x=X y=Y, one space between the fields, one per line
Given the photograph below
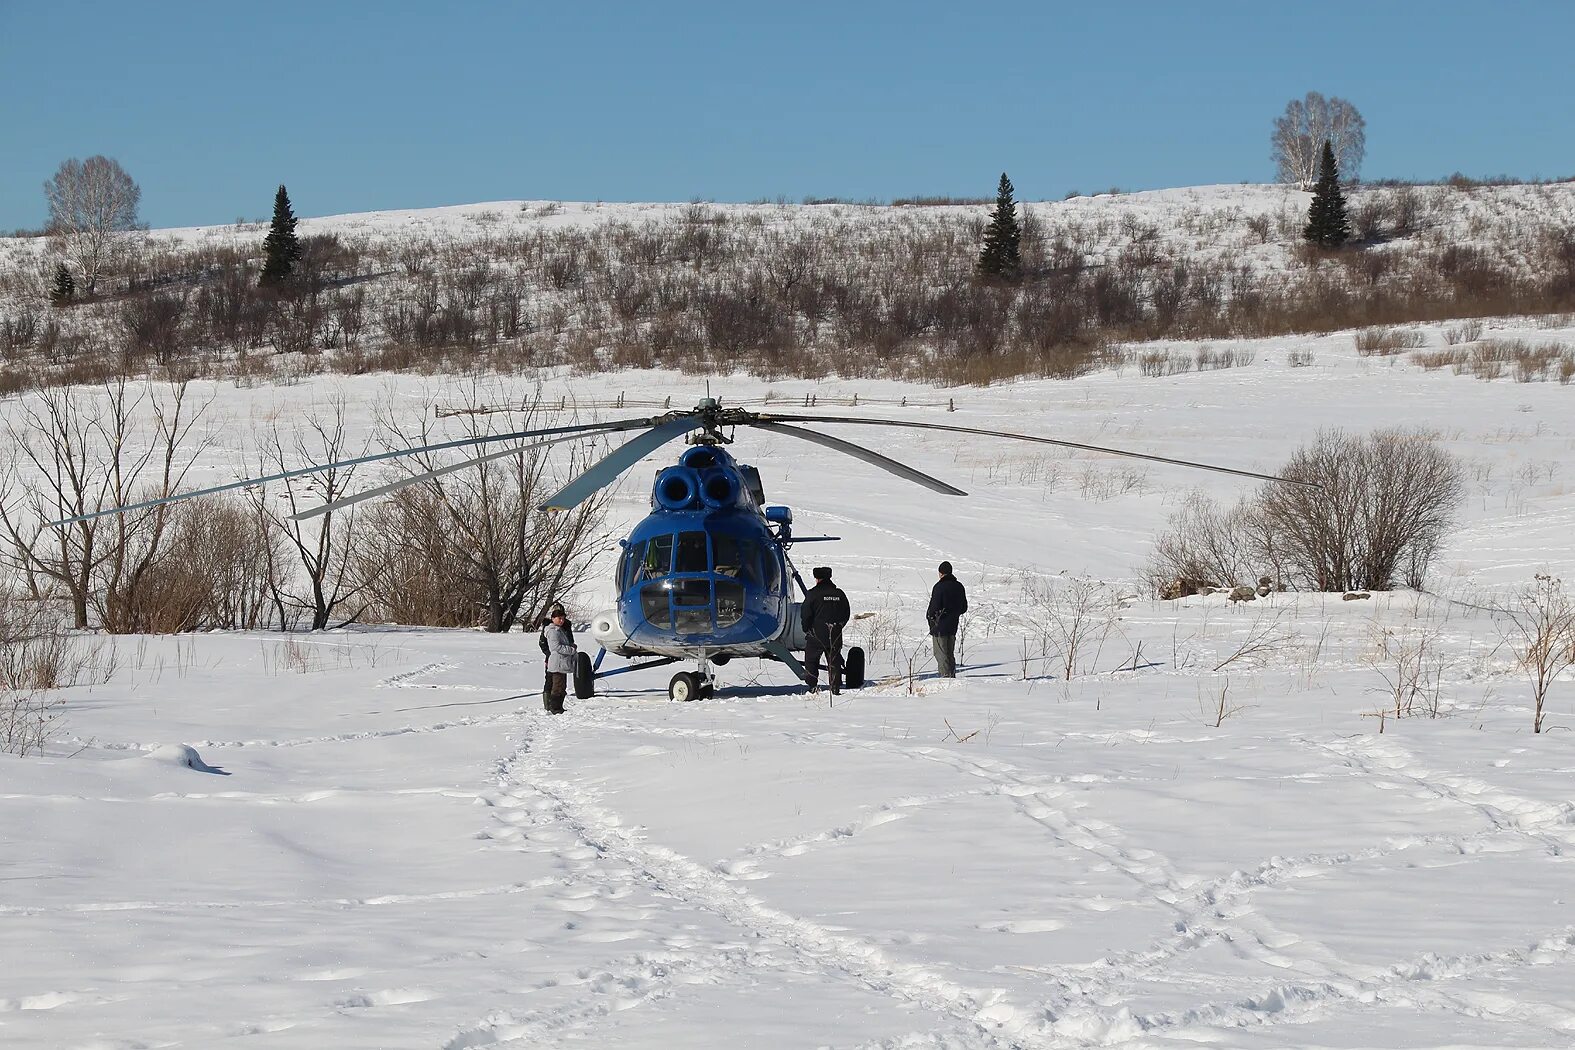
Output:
x=584 y=677
x=853 y=669
x=685 y=686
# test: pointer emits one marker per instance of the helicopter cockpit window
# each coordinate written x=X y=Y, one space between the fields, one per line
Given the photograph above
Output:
x=653 y=605
x=729 y=603
x=692 y=554
x=691 y=606
x=658 y=558
x=736 y=557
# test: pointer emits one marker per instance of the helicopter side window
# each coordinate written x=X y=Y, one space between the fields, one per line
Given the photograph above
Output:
x=658 y=558
x=628 y=566
x=692 y=554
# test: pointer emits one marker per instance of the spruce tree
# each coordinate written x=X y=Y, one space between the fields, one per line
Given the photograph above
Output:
x=282 y=247
x=999 y=258
x=1327 y=226
x=65 y=288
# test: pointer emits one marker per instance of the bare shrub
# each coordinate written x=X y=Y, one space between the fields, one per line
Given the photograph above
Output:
x=1465 y=332
x=1432 y=360
x=219 y=571
x=1386 y=341
x=1072 y=616
x=1204 y=543
x=1374 y=511
x=1542 y=637
x=1411 y=665
x=1381 y=505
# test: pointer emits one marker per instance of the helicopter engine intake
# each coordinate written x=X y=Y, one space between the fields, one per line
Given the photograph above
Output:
x=677 y=488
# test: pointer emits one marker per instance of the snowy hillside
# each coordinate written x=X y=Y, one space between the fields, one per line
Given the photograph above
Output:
x=1207 y=835
x=780 y=289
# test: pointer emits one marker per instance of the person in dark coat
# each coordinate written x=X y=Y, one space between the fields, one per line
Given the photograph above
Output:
x=557 y=644
x=948 y=601
x=824 y=613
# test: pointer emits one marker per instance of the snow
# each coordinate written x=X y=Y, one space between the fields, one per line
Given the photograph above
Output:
x=405 y=851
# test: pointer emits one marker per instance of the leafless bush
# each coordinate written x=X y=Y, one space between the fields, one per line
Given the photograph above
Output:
x=1265 y=638
x=1386 y=341
x=1299 y=358
x=1158 y=363
x=1541 y=634
x=1231 y=357
x=1071 y=615
x=1411 y=665
x=26 y=721
x=1381 y=505
x=1465 y=332
x=1432 y=360
x=1373 y=511
x=1204 y=543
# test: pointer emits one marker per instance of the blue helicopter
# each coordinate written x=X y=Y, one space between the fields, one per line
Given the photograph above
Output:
x=706 y=575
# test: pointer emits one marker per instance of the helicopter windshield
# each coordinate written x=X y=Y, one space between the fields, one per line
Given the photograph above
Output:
x=695 y=581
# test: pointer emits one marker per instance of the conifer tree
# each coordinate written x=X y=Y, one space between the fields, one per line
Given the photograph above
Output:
x=64 y=288
x=282 y=247
x=1327 y=225
x=999 y=258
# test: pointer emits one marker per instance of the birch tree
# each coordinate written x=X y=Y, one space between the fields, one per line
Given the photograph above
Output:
x=90 y=202
x=1300 y=132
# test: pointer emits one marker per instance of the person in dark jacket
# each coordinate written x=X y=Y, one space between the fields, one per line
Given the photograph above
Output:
x=557 y=644
x=948 y=601
x=823 y=615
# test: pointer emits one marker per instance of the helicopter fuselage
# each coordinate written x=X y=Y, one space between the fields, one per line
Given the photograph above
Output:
x=705 y=574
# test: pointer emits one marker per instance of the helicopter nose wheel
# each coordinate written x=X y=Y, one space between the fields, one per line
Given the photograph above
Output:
x=688 y=685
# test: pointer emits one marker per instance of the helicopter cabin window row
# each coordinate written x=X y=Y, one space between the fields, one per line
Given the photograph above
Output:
x=717 y=564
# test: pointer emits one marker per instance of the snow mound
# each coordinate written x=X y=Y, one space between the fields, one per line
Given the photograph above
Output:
x=182 y=755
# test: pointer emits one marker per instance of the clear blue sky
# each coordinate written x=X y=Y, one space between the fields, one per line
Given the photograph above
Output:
x=360 y=106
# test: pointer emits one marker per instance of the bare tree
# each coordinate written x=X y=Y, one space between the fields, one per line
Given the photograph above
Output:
x=472 y=545
x=89 y=203
x=1300 y=132
x=73 y=455
x=1542 y=637
x=322 y=545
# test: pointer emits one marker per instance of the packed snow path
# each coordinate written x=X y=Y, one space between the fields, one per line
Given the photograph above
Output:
x=419 y=857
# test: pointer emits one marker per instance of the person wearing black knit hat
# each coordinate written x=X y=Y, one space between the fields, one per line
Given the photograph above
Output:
x=557 y=645
x=948 y=601
x=823 y=615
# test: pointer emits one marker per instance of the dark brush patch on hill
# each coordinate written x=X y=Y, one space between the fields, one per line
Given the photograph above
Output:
x=783 y=290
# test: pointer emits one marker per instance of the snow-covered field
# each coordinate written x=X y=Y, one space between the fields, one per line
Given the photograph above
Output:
x=389 y=845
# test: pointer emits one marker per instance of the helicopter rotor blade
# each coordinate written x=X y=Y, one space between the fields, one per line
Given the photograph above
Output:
x=607 y=470
x=1042 y=441
x=891 y=466
x=246 y=483
x=416 y=479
